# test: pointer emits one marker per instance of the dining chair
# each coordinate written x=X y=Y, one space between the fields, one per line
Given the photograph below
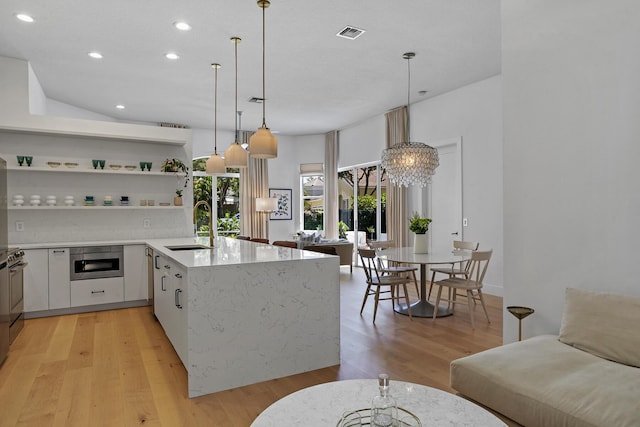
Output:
x=375 y=281
x=243 y=238
x=259 y=240
x=285 y=243
x=471 y=284
x=389 y=267
x=461 y=270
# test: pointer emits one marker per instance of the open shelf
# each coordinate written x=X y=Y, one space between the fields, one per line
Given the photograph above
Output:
x=80 y=169
x=89 y=208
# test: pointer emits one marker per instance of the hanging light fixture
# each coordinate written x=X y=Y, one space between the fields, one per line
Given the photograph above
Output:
x=410 y=163
x=262 y=144
x=236 y=156
x=215 y=163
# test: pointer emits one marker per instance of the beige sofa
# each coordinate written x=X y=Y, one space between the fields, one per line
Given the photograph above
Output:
x=589 y=375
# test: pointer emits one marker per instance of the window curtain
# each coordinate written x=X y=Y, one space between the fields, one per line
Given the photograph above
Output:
x=254 y=182
x=331 y=185
x=397 y=228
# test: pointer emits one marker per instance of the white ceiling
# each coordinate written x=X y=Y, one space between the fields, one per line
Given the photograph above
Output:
x=316 y=81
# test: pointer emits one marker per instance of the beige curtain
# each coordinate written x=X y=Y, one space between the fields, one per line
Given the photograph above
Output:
x=331 y=185
x=397 y=228
x=254 y=182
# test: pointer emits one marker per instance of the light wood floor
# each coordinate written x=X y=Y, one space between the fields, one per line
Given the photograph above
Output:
x=117 y=368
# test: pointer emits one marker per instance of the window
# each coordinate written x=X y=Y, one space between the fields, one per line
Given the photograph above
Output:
x=226 y=206
x=362 y=201
x=312 y=200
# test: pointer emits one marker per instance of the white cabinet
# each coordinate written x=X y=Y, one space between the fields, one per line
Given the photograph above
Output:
x=170 y=303
x=135 y=273
x=59 y=278
x=97 y=291
x=36 y=280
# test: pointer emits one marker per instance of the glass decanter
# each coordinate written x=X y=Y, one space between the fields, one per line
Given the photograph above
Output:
x=384 y=409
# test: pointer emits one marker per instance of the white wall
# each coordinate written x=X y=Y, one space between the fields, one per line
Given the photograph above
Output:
x=475 y=113
x=571 y=200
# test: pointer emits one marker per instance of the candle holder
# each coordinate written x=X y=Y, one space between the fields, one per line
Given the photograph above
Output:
x=520 y=313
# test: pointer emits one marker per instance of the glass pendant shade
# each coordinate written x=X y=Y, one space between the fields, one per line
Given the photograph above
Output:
x=235 y=156
x=215 y=165
x=410 y=163
x=263 y=144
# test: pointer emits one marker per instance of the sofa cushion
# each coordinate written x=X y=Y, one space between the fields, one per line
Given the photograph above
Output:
x=603 y=324
x=543 y=382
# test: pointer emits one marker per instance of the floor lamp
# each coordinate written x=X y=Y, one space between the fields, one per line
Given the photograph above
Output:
x=266 y=205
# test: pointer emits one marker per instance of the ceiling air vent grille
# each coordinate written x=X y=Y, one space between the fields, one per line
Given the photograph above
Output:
x=173 y=125
x=350 y=33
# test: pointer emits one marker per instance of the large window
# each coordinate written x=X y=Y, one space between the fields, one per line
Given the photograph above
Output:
x=312 y=212
x=362 y=201
x=225 y=201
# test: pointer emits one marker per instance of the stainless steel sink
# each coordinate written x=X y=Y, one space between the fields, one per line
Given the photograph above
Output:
x=186 y=247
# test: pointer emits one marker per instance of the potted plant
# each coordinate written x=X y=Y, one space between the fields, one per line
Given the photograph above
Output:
x=177 y=200
x=342 y=230
x=176 y=166
x=419 y=225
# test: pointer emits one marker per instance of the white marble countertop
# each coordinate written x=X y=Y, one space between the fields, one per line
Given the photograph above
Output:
x=324 y=404
x=228 y=251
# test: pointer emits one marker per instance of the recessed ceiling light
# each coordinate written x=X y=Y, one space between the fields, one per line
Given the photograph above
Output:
x=182 y=26
x=172 y=56
x=24 y=17
x=95 y=55
x=120 y=107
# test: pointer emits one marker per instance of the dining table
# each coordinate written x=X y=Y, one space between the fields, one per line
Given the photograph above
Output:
x=406 y=255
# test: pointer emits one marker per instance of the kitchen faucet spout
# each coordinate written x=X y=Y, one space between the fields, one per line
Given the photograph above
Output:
x=195 y=219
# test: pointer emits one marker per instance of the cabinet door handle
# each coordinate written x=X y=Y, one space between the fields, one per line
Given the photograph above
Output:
x=177 y=298
x=162 y=285
x=61 y=251
x=97 y=292
x=178 y=275
x=155 y=262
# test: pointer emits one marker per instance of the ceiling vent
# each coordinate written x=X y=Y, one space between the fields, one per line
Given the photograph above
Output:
x=173 y=125
x=350 y=33
x=256 y=100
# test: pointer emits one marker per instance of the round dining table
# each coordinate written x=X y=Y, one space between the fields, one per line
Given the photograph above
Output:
x=322 y=405
x=405 y=255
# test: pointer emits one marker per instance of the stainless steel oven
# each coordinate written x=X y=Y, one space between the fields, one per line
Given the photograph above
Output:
x=16 y=292
x=96 y=262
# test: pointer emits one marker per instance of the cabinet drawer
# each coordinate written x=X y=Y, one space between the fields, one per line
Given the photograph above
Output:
x=97 y=291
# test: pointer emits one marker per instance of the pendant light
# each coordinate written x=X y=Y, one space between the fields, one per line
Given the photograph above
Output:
x=215 y=163
x=410 y=163
x=262 y=144
x=236 y=156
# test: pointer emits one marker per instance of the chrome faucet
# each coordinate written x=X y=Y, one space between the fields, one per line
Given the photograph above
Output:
x=195 y=220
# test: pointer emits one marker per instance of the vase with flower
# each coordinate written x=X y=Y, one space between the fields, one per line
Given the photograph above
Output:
x=419 y=225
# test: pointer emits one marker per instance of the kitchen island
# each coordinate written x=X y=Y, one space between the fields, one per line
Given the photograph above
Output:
x=244 y=312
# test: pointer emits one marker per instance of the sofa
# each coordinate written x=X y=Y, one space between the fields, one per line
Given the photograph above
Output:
x=588 y=375
x=343 y=249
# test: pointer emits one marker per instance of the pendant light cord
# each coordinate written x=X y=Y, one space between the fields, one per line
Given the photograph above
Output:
x=408 y=56
x=264 y=5
x=215 y=110
x=236 y=40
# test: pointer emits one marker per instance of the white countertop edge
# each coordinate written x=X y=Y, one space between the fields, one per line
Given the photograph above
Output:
x=226 y=251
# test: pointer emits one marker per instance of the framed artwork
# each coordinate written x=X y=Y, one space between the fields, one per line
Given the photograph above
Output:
x=284 y=203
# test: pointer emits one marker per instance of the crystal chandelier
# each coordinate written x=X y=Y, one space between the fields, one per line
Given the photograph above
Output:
x=215 y=163
x=410 y=163
x=262 y=144
x=236 y=156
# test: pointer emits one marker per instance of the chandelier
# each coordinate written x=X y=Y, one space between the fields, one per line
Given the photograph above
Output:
x=410 y=163
x=236 y=156
x=262 y=144
x=215 y=163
